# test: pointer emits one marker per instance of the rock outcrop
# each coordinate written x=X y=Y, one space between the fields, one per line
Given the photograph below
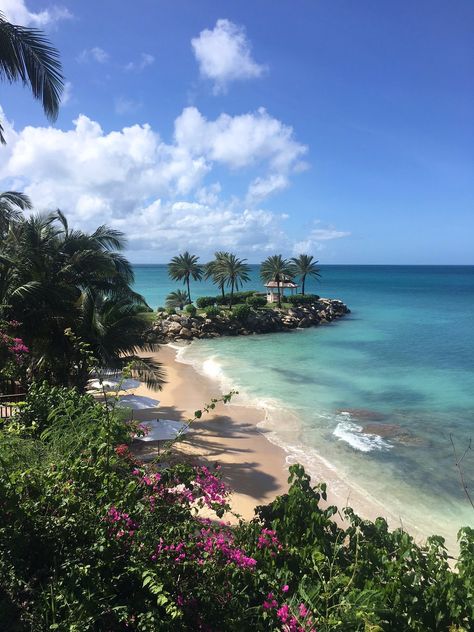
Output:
x=175 y=327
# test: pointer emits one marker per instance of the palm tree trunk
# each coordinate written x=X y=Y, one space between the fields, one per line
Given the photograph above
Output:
x=279 y=293
x=231 y=294
x=223 y=293
x=189 y=291
x=303 y=279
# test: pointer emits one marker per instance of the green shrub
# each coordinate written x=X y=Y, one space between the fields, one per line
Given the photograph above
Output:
x=238 y=297
x=302 y=299
x=212 y=311
x=170 y=311
x=241 y=312
x=205 y=301
x=191 y=309
x=256 y=301
x=42 y=400
x=161 y=309
x=241 y=297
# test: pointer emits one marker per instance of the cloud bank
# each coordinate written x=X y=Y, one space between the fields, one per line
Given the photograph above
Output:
x=16 y=12
x=163 y=195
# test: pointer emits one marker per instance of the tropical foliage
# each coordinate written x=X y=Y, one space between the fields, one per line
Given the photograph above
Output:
x=27 y=56
x=67 y=288
x=12 y=204
x=213 y=271
x=91 y=540
x=184 y=268
x=276 y=268
x=177 y=299
x=304 y=266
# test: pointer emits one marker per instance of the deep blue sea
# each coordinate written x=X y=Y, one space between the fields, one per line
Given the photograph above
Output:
x=375 y=397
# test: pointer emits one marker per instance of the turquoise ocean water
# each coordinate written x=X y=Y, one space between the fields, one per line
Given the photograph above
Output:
x=373 y=397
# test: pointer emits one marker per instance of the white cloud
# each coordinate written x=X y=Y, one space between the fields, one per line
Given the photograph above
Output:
x=316 y=238
x=162 y=195
x=16 y=12
x=239 y=141
x=224 y=55
x=126 y=106
x=145 y=60
x=94 y=54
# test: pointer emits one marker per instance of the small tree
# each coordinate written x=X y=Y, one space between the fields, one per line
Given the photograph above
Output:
x=303 y=266
x=177 y=299
x=234 y=271
x=183 y=268
x=212 y=270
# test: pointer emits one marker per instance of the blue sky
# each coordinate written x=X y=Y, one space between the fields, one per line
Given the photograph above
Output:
x=340 y=128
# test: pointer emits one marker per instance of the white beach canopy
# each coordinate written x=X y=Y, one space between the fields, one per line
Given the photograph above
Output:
x=113 y=383
x=137 y=402
x=163 y=430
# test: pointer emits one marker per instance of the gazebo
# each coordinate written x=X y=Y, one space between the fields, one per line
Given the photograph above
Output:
x=286 y=283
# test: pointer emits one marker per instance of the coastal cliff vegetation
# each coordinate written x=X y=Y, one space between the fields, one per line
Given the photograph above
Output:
x=92 y=539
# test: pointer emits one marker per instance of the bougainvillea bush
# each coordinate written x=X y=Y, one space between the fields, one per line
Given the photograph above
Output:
x=90 y=539
x=13 y=356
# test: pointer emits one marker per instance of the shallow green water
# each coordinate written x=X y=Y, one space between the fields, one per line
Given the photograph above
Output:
x=377 y=394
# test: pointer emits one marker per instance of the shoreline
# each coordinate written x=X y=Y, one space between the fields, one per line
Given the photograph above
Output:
x=254 y=461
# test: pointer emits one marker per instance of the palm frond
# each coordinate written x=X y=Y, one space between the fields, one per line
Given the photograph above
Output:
x=147 y=370
x=26 y=55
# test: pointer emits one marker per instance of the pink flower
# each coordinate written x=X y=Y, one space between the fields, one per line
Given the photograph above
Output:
x=270 y=602
x=283 y=613
x=285 y=588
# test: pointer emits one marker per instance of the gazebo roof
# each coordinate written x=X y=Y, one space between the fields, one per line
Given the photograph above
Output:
x=285 y=283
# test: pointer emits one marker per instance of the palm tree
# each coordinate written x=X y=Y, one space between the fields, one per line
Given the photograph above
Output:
x=11 y=205
x=113 y=328
x=213 y=271
x=53 y=280
x=177 y=299
x=233 y=271
x=183 y=268
x=26 y=55
x=303 y=266
x=275 y=268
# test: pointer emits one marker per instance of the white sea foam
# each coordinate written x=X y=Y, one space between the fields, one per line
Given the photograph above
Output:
x=350 y=432
x=283 y=427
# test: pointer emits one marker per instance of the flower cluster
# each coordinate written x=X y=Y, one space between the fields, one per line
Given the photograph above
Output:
x=290 y=623
x=268 y=540
x=222 y=543
x=14 y=346
x=122 y=524
x=213 y=490
x=206 y=489
x=207 y=544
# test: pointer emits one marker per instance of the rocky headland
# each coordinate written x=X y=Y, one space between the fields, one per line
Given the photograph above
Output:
x=183 y=326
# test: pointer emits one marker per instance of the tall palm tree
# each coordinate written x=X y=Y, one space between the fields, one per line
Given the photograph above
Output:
x=234 y=272
x=214 y=272
x=275 y=268
x=303 y=266
x=177 y=299
x=26 y=55
x=12 y=204
x=185 y=267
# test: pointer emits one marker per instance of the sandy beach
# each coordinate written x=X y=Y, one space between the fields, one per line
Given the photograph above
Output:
x=254 y=468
